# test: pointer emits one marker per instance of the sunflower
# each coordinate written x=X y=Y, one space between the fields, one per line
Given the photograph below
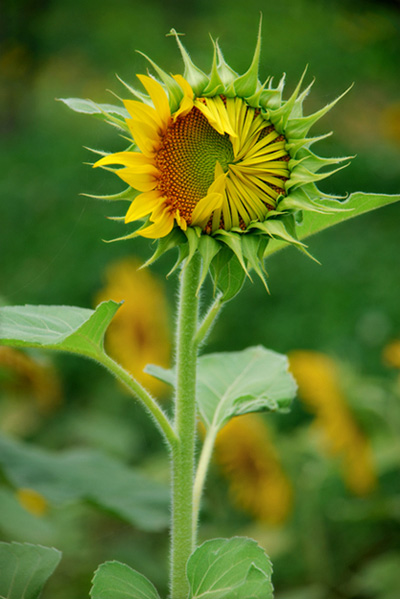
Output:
x=215 y=162
x=218 y=161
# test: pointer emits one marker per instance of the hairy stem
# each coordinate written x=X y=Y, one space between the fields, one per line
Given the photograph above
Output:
x=208 y=320
x=201 y=474
x=183 y=454
x=158 y=415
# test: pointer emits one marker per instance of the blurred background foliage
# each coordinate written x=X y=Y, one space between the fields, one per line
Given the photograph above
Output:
x=327 y=512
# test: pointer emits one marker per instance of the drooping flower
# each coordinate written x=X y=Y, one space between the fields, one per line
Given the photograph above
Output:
x=248 y=459
x=319 y=388
x=139 y=332
x=217 y=160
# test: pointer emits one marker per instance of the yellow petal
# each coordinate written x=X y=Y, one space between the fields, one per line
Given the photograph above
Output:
x=146 y=137
x=160 y=228
x=185 y=107
x=141 y=111
x=142 y=205
x=180 y=220
x=205 y=207
x=215 y=112
x=131 y=159
x=187 y=89
x=158 y=96
x=142 y=181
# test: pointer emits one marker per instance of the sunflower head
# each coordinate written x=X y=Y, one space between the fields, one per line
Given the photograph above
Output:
x=217 y=162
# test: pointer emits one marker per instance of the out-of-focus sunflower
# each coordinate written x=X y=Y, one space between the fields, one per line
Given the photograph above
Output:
x=391 y=354
x=32 y=501
x=248 y=459
x=139 y=333
x=31 y=387
x=319 y=389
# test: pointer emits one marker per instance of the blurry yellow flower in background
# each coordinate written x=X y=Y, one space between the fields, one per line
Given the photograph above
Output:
x=251 y=464
x=390 y=122
x=391 y=354
x=32 y=501
x=31 y=388
x=139 y=333
x=319 y=389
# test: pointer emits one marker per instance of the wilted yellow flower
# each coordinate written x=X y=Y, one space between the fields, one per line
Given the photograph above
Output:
x=25 y=374
x=32 y=501
x=139 y=333
x=391 y=354
x=250 y=462
x=319 y=389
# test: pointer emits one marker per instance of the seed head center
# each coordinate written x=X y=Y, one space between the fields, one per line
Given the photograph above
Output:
x=187 y=158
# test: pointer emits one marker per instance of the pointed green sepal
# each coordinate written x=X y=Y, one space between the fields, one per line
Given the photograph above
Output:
x=208 y=248
x=251 y=251
x=175 y=238
x=298 y=105
x=127 y=195
x=225 y=72
x=282 y=229
x=246 y=85
x=233 y=241
x=183 y=254
x=136 y=93
x=299 y=200
x=314 y=163
x=301 y=176
x=215 y=84
x=193 y=75
x=175 y=92
x=300 y=127
x=281 y=116
x=294 y=145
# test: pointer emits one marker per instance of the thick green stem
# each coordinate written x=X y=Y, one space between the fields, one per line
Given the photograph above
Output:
x=183 y=454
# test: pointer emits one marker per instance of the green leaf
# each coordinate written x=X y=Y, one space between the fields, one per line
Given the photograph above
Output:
x=228 y=274
x=25 y=568
x=63 y=328
x=114 y=579
x=162 y=374
x=313 y=222
x=18 y=523
x=230 y=569
x=87 y=475
x=234 y=383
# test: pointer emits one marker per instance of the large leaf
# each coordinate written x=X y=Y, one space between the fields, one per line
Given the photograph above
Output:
x=230 y=569
x=114 y=579
x=314 y=222
x=25 y=568
x=87 y=475
x=65 y=328
x=234 y=383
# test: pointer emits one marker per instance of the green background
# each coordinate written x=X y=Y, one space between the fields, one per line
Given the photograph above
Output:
x=51 y=248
